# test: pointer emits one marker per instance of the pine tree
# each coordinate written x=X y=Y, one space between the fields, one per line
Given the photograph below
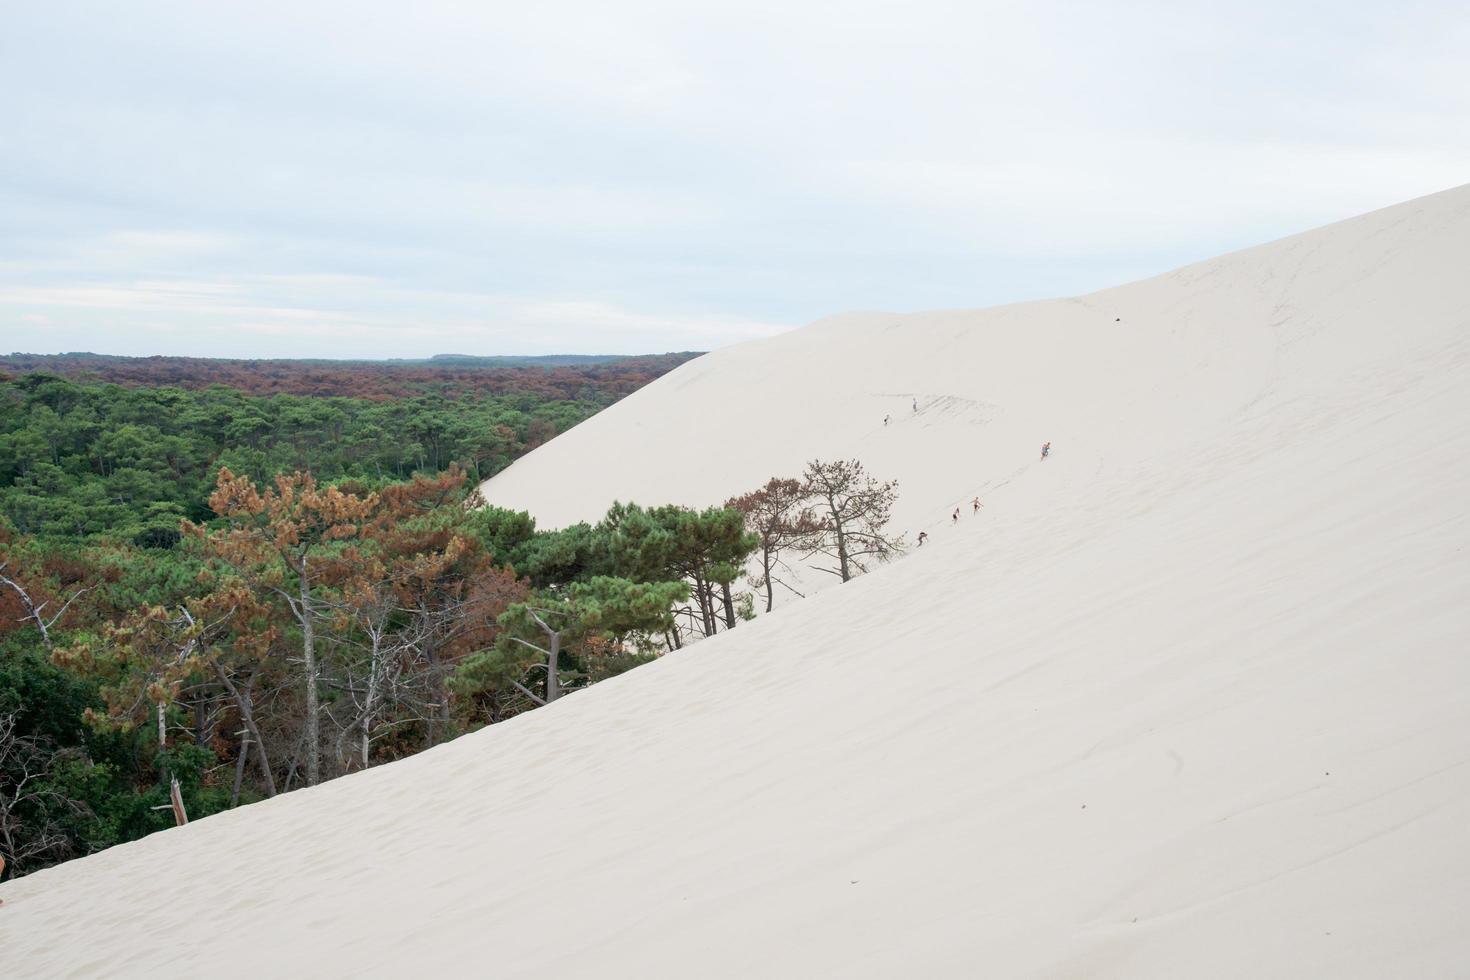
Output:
x=854 y=511
x=779 y=516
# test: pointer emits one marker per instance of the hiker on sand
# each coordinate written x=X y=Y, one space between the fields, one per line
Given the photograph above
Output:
x=923 y=536
x=1045 y=450
x=886 y=418
x=916 y=404
x=976 y=505
x=955 y=517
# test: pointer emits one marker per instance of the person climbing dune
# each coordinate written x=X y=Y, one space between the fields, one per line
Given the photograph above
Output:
x=1045 y=450
x=923 y=536
x=955 y=517
x=975 y=505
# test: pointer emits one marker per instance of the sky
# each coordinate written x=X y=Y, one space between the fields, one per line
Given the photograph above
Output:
x=389 y=179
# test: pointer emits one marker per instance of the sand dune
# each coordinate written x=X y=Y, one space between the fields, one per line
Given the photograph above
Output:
x=1190 y=699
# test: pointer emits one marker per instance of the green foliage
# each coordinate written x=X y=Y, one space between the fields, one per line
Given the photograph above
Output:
x=98 y=787
x=603 y=627
x=504 y=533
x=97 y=479
x=627 y=611
x=708 y=548
x=661 y=543
x=46 y=700
x=84 y=460
x=557 y=557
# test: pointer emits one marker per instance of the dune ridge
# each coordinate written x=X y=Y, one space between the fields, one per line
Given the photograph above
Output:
x=1189 y=698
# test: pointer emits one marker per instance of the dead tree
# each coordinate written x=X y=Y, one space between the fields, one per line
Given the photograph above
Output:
x=243 y=694
x=35 y=611
x=26 y=763
x=552 y=653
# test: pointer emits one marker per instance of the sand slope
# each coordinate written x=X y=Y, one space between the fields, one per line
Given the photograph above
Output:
x=1191 y=698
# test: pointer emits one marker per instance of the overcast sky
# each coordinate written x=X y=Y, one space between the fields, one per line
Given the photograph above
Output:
x=374 y=179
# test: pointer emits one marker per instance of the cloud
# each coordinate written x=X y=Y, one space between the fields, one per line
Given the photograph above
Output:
x=306 y=315
x=616 y=325
x=556 y=173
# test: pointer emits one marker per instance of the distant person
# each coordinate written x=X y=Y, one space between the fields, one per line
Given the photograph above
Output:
x=923 y=536
x=955 y=517
x=976 y=505
x=1045 y=450
x=916 y=404
x=886 y=418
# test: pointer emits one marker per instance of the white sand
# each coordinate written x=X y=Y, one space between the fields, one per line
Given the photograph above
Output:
x=1190 y=699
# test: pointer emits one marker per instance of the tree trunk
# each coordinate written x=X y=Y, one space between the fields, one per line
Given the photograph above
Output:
x=699 y=601
x=163 y=771
x=176 y=799
x=240 y=769
x=729 y=605
x=770 y=586
x=553 y=681
x=365 y=723
x=841 y=549
x=263 y=763
x=706 y=605
x=201 y=723
x=245 y=704
x=439 y=716
x=308 y=657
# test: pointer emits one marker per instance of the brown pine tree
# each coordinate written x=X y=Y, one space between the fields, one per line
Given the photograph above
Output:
x=292 y=541
x=778 y=513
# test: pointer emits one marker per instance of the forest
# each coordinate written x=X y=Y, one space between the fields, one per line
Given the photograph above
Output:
x=451 y=376
x=80 y=459
x=209 y=598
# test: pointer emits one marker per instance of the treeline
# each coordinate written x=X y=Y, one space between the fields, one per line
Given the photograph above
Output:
x=593 y=379
x=87 y=459
x=307 y=629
